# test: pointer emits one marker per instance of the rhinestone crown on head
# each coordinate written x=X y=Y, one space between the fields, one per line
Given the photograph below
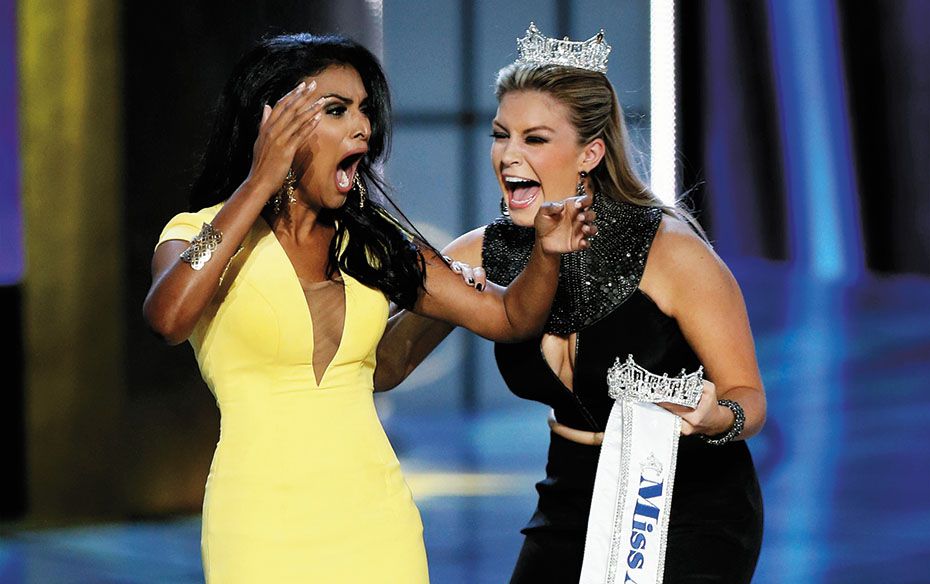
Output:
x=537 y=49
x=629 y=381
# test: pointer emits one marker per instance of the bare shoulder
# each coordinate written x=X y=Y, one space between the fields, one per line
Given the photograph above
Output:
x=467 y=247
x=682 y=267
x=677 y=247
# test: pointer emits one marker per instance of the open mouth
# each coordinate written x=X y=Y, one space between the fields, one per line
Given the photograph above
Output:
x=345 y=170
x=522 y=191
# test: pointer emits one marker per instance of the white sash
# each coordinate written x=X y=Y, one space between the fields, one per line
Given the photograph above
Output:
x=628 y=522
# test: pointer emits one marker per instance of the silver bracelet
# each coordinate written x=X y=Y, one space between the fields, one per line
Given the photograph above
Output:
x=202 y=247
x=739 y=419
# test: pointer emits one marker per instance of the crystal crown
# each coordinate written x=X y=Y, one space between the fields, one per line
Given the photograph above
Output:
x=627 y=380
x=538 y=49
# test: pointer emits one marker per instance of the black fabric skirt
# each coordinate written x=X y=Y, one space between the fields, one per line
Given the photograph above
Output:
x=715 y=525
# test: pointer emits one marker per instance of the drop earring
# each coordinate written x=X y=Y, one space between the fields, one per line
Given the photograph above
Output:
x=579 y=189
x=362 y=191
x=286 y=192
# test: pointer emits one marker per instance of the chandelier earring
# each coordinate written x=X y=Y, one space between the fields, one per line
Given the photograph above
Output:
x=362 y=191
x=285 y=194
x=579 y=189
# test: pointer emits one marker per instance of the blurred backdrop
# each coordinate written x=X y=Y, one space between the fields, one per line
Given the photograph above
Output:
x=114 y=108
x=803 y=145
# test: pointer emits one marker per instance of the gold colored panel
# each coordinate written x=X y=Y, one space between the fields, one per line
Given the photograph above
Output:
x=73 y=317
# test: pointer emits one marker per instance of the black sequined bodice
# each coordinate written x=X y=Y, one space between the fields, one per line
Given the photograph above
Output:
x=599 y=299
x=592 y=281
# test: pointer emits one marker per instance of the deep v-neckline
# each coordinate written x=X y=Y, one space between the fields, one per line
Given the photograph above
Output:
x=295 y=278
x=552 y=372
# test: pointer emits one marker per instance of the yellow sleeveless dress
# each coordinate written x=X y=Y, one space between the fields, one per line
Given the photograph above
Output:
x=304 y=485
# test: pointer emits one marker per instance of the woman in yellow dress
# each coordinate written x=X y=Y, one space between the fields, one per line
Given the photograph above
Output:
x=280 y=278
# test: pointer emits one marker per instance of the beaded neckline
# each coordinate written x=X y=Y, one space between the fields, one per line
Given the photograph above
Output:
x=593 y=281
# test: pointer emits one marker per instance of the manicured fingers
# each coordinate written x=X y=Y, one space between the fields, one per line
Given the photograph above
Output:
x=588 y=229
x=551 y=209
x=469 y=274
x=307 y=126
x=283 y=128
x=293 y=127
x=303 y=88
x=286 y=102
x=583 y=202
x=305 y=115
x=586 y=217
x=473 y=276
x=579 y=220
x=480 y=277
x=306 y=103
x=293 y=103
x=311 y=115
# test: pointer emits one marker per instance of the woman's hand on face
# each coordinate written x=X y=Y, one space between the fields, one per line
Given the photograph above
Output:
x=282 y=130
x=473 y=276
x=566 y=225
x=707 y=418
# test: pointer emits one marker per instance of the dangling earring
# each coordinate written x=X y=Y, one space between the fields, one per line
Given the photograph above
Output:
x=504 y=210
x=579 y=189
x=286 y=192
x=362 y=192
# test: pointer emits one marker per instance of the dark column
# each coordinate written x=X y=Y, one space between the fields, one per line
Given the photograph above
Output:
x=12 y=427
x=729 y=142
x=887 y=57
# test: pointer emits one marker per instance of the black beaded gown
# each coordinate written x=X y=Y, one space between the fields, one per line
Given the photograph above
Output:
x=715 y=527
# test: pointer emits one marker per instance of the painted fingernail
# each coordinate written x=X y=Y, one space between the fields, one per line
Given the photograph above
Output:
x=312 y=85
x=301 y=85
x=479 y=287
x=471 y=281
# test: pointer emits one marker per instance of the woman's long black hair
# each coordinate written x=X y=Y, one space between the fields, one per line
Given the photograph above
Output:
x=377 y=249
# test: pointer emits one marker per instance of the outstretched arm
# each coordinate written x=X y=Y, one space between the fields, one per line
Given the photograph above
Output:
x=407 y=342
x=409 y=338
x=499 y=314
x=520 y=310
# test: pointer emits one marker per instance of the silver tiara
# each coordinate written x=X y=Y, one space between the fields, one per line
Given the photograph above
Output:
x=629 y=381
x=537 y=49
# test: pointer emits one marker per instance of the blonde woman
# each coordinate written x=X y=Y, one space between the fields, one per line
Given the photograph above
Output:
x=649 y=286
